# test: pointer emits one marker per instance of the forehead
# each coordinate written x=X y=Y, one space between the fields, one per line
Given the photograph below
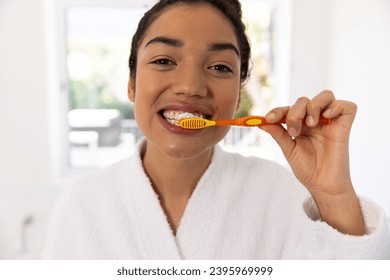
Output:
x=196 y=22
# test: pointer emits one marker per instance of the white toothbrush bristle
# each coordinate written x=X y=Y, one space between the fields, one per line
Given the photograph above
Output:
x=186 y=115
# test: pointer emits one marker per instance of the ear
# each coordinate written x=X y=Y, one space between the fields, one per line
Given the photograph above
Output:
x=131 y=89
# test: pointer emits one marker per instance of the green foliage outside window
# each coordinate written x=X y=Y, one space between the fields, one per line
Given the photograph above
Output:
x=246 y=105
x=89 y=95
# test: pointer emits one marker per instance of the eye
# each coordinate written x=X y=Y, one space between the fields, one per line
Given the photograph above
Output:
x=162 y=61
x=221 y=68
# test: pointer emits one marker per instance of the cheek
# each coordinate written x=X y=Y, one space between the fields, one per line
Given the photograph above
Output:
x=145 y=90
x=228 y=103
x=141 y=100
x=150 y=83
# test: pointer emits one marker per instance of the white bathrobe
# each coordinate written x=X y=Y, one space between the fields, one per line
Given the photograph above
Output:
x=242 y=208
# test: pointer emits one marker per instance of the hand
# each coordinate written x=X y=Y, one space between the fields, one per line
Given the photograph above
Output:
x=319 y=155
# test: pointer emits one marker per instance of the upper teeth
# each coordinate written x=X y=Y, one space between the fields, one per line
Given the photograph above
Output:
x=174 y=116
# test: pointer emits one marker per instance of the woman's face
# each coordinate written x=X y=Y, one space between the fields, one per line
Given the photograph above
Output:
x=188 y=61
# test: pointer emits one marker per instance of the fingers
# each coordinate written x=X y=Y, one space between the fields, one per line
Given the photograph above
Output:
x=276 y=114
x=339 y=108
x=296 y=115
x=282 y=138
x=317 y=105
x=293 y=115
x=306 y=111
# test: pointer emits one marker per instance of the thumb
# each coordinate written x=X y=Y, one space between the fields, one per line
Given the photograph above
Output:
x=281 y=136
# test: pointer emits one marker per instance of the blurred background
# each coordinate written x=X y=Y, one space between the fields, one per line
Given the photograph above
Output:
x=64 y=108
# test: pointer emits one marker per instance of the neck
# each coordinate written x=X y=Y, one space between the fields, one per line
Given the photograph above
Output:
x=174 y=179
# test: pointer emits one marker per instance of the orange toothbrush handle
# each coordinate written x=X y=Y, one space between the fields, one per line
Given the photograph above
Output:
x=260 y=120
x=244 y=121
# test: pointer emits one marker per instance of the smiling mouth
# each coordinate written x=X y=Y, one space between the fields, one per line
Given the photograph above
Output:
x=173 y=116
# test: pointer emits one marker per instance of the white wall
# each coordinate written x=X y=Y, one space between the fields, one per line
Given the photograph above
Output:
x=24 y=158
x=360 y=71
x=345 y=46
x=309 y=47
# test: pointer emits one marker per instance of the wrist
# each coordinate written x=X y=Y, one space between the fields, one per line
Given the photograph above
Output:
x=341 y=211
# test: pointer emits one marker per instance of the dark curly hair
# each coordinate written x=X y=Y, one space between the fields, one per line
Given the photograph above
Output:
x=230 y=8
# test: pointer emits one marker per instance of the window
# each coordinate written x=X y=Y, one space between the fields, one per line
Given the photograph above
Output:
x=101 y=123
x=100 y=118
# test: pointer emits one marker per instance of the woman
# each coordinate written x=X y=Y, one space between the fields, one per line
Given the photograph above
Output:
x=182 y=197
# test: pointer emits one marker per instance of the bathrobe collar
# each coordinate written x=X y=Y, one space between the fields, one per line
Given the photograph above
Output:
x=153 y=220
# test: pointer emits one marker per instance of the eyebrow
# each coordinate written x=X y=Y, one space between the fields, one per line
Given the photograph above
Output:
x=166 y=41
x=224 y=46
x=178 y=43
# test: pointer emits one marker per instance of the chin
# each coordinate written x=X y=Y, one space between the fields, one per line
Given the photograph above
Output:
x=182 y=151
x=183 y=147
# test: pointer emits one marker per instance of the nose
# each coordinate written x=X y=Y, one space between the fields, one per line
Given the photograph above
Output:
x=190 y=80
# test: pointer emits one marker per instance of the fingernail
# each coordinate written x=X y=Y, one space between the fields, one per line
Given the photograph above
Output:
x=271 y=116
x=293 y=132
x=327 y=112
x=310 y=120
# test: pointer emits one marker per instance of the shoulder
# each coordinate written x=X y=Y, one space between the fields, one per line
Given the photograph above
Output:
x=104 y=176
x=102 y=184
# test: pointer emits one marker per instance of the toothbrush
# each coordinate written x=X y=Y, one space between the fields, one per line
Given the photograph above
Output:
x=249 y=121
